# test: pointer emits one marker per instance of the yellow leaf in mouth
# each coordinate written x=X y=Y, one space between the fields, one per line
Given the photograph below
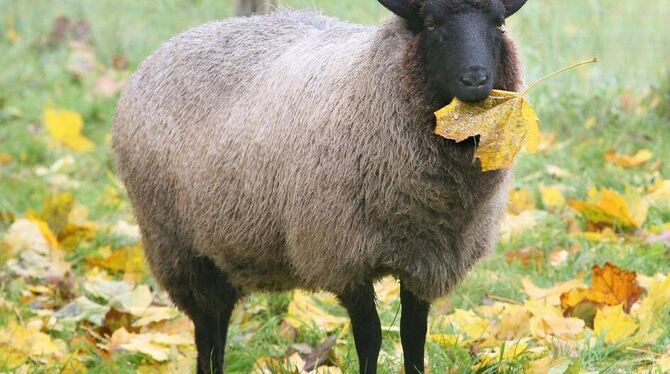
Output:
x=504 y=122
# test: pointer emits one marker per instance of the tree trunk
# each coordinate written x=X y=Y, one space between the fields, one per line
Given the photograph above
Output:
x=249 y=7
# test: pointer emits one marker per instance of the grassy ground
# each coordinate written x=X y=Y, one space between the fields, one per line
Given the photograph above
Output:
x=619 y=104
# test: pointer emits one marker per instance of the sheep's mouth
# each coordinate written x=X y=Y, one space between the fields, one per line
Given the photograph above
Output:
x=469 y=142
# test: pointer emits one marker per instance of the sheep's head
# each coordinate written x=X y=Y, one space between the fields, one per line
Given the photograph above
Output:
x=460 y=42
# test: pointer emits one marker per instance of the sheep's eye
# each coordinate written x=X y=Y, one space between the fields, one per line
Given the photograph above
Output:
x=430 y=24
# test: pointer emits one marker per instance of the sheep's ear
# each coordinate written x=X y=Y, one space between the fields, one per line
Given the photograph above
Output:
x=405 y=9
x=512 y=6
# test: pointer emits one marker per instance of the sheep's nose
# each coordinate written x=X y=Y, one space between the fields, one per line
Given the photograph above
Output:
x=475 y=76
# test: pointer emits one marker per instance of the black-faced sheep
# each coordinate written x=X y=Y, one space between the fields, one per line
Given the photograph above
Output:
x=297 y=151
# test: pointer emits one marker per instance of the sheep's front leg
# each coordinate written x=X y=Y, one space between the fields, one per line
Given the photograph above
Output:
x=413 y=329
x=360 y=304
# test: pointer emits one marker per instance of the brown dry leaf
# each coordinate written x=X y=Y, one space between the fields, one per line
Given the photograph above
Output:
x=626 y=161
x=610 y=286
x=607 y=207
x=526 y=256
x=505 y=122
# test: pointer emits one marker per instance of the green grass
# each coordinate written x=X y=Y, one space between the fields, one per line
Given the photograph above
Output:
x=631 y=38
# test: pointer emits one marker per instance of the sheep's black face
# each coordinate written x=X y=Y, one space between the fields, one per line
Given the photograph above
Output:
x=461 y=50
x=460 y=42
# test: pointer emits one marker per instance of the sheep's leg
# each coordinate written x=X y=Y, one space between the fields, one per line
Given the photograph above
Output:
x=202 y=291
x=413 y=329
x=210 y=338
x=360 y=304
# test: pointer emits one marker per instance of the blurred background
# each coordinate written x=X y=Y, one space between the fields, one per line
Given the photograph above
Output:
x=64 y=62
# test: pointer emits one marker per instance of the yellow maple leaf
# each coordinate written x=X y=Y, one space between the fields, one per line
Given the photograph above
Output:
x=504 y=121
x=607 y=207
x=614 y=324
x=65 y=127
x=626 y=161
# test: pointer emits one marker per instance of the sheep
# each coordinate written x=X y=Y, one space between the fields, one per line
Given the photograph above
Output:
x=294 y=150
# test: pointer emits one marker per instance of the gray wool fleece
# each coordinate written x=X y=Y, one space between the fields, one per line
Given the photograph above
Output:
x=297 y=151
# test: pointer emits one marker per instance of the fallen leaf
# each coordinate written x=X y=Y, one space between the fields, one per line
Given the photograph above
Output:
x=520 y=200
x=610 y=208
x=65 y=127
x=505 y=122
x=514 y=321
x=551 y=295
x=156 y=345
x=387 y=290
x=652 y=307
x=472 y=326
x=12 y=35
x=6 y=159
x=558 y=172
x=559 y=326
x=610 y=286
x=83 y=308
x=319 y=355
x=445 y=341
x=626 y=161
x=21 y=343
x=526 y=256
x=82 y=61
x=128 y=259
x=306 y=308
x=513 y=224
x=614 y=324
x=552 y=197
x=659 y=194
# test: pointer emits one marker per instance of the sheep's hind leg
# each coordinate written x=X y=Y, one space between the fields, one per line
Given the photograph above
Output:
x=360 y=304
x=202 y=291
x=413 y=329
